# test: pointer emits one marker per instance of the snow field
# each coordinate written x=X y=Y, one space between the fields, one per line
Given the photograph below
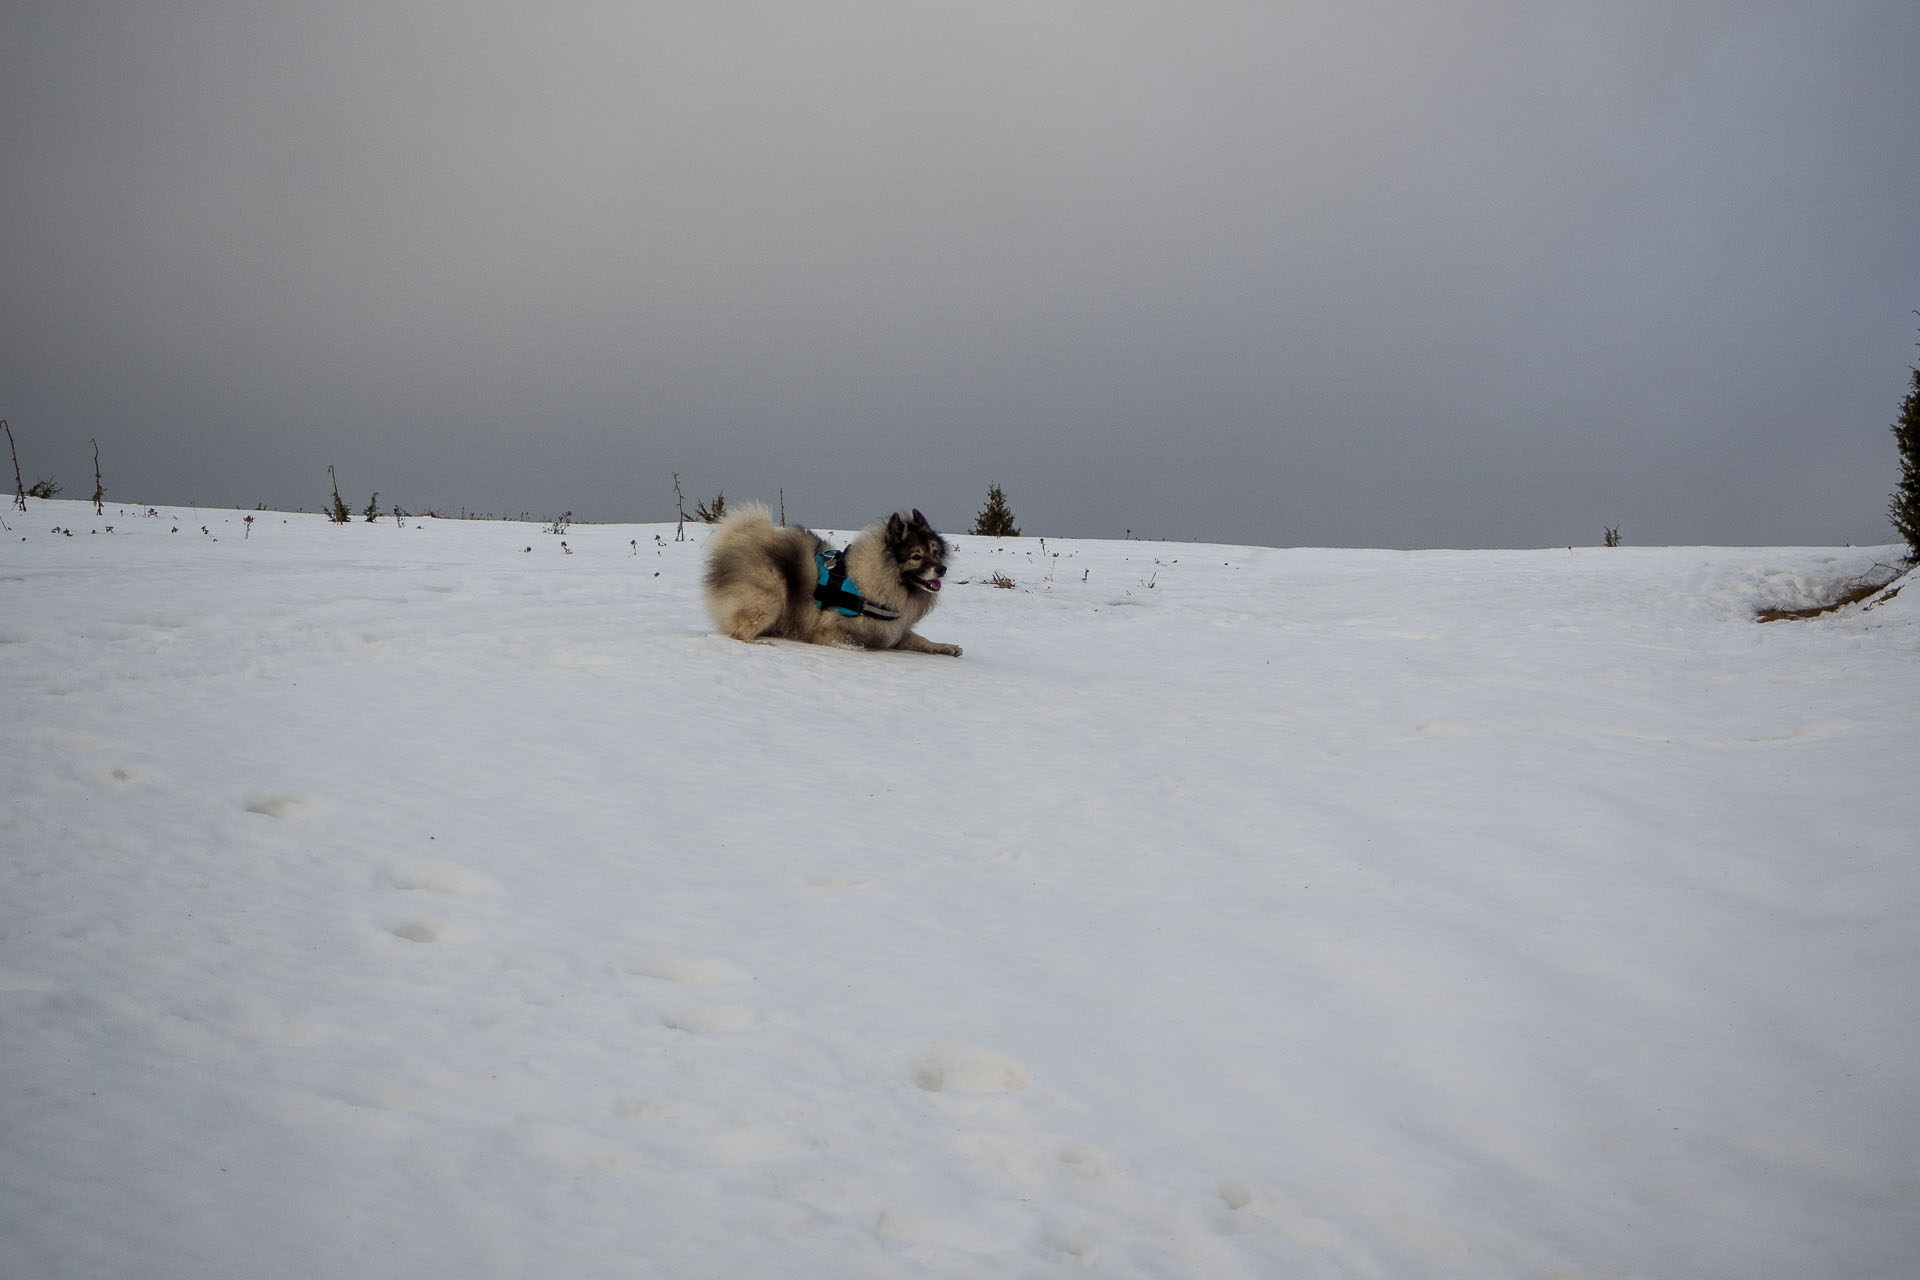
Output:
x=444 y=900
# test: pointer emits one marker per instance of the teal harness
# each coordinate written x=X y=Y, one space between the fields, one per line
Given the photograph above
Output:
x=840 y=593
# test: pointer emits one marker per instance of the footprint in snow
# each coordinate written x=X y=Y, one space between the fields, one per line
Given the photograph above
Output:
x=276 y=805
x=706 y=1019
x=1078 y=1248
x=966 y=1068
x=1255 y=1209
x=1085 y=1160
x=430 y=931
x=440 y=877
x=669 y=966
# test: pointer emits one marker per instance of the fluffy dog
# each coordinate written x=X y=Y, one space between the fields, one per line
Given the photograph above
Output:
x=765 y=581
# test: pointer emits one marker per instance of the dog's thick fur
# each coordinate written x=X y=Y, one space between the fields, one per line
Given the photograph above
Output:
x=760 y=579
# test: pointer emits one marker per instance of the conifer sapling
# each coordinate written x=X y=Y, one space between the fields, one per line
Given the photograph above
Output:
x=1904 y=507
x=996 y=521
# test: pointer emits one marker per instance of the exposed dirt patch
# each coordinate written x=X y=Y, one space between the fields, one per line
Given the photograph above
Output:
x=1852 y=593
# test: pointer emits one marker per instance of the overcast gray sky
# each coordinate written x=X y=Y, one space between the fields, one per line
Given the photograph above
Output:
x=1343 y=273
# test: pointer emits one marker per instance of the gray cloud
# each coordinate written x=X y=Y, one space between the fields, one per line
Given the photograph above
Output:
x=1346 y=274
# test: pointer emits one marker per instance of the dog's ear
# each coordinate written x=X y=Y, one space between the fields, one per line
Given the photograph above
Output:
x=896 y=528
x=920 y=521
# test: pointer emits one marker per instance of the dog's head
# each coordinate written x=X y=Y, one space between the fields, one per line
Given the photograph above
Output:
x=920 y=553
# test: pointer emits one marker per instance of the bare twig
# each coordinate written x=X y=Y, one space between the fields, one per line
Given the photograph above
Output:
x=339 y=513
x=19 y=485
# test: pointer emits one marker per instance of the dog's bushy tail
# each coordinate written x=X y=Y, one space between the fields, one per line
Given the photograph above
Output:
x=752 y=517
x=736 y=542
x=759 y=577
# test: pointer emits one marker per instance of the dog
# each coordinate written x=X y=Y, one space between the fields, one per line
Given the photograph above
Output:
x=765 y=581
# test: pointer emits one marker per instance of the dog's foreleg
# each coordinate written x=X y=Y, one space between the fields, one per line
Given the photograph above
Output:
x=920 y=644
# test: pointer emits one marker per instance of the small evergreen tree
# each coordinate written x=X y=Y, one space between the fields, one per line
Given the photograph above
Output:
x=996 y=521
x=713 y=514
x=1905 y=506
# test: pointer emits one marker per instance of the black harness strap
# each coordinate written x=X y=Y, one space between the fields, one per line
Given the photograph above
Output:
x=840 y=593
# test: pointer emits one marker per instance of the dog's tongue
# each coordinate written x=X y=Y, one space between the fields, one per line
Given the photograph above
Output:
x=931 y=584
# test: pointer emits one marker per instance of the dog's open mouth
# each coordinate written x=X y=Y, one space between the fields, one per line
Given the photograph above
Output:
x=931 y=584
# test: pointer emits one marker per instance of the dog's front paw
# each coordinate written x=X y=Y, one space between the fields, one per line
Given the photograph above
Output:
x=951 y=650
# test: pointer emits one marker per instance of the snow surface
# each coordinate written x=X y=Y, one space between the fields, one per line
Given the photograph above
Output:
x=444 y=901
